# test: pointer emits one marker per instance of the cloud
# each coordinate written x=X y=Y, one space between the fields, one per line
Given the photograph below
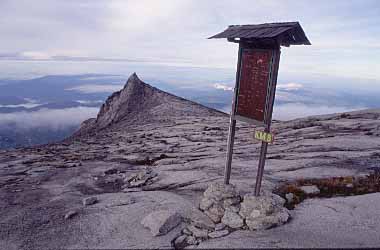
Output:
x=89 y=102
x=289 y=86
x=55 y=119
x=175 y=32
x=96 y=88
x=298 y=110
x=223 y=87
x=30 y=103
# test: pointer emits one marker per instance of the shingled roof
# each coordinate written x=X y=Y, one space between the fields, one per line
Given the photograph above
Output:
x=289 y=33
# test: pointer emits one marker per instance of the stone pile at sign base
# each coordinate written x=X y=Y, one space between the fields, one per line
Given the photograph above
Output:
x=223 y=204
x=228 y=211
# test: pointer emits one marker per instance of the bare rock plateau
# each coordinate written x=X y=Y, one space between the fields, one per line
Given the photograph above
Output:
x=111 y=184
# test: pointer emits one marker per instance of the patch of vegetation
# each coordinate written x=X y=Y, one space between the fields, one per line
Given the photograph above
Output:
x=329 y=187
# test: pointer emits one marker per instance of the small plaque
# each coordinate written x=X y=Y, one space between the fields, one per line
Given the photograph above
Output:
x=254 y=84
x=263 y=136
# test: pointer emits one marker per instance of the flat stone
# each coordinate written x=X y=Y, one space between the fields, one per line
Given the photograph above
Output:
x=198 y=233
x=219 y=227
x=137 y=183
x=70 y=214
x=218 y=234
x=130 y=190
x=162 y=221
x=232 y=219
x=125 y=202
x=310 y=190
x=89 y=201
x=265 y=222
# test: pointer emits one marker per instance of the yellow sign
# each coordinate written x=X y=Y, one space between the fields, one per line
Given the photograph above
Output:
x=263 y=136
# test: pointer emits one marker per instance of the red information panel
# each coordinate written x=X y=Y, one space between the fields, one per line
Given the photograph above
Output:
x=253 y=85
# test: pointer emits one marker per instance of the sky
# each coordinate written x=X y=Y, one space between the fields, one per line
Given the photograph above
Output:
x=345 y=34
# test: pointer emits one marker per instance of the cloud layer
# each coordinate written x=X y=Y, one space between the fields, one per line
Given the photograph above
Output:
x=175 y=32
x=298 y=110
x=96 y=88
x=54 y=119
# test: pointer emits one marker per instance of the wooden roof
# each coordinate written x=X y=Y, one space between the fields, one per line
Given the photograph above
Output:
x=288 y=33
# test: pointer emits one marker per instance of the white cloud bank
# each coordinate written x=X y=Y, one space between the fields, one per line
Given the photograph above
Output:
x=223 y=87
x=298 y=110
x=29 y=103
x=289 y=86
x=96 y=88
x=55 y=119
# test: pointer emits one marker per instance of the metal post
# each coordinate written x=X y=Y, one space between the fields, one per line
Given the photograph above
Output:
x=231 y=131
x=230 y=146
x=260 y=170
x=264 y=146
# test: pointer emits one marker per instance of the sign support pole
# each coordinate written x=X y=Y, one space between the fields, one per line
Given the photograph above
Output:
x=264 y=146
x=231 y=132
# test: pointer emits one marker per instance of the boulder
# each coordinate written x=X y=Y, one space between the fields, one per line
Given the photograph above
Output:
x=217 y=198
x=234 y=209
x=215 y=213
x=265 y=204
x=219 y=191
x=201 y=220
x=206 y=203
x=180 y=242
x=162 y=221
x=263 y=212
x=232 y=219
x=265 y=222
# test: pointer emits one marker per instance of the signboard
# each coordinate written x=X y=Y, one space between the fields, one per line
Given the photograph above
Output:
x=254 y=84
x=256 y=79
x=264 y=136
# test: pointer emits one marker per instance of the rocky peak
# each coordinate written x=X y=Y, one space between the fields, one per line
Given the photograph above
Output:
x=139 y=103
x=134 y=97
